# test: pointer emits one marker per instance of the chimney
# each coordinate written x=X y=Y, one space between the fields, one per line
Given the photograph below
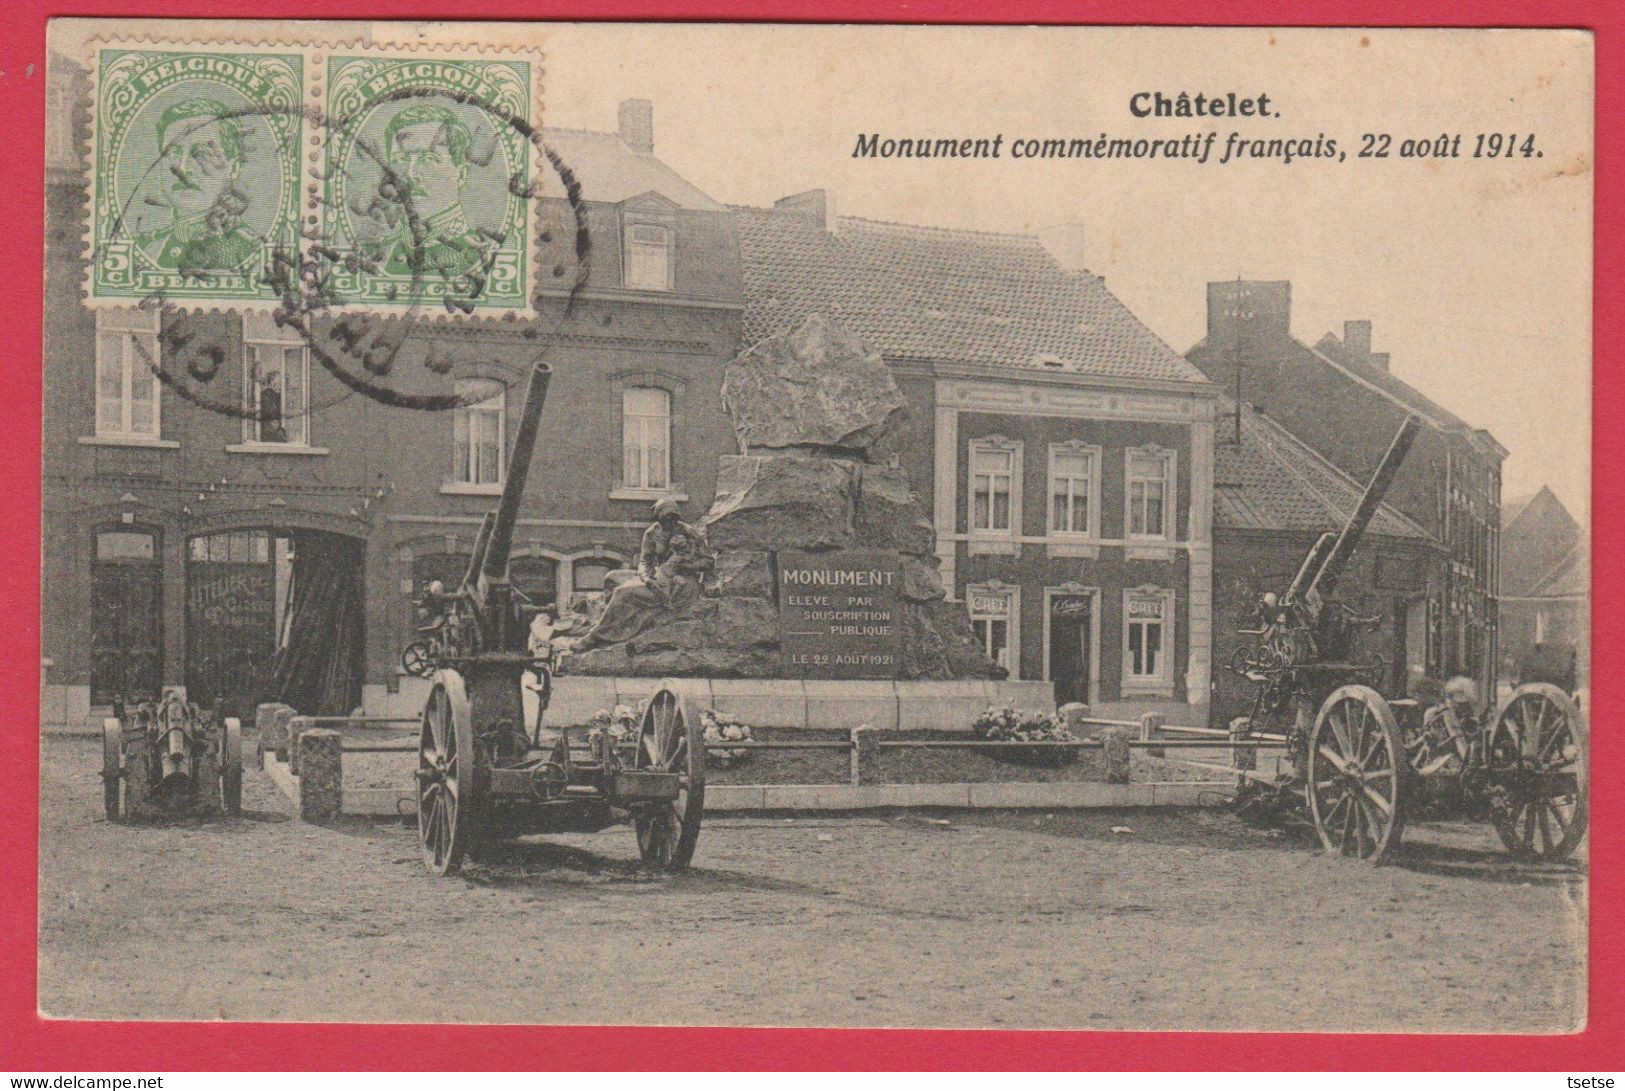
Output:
x=816 y=205
x=1065 y=243
x=1249 y=314
x=637 y=125
x=1357 y=338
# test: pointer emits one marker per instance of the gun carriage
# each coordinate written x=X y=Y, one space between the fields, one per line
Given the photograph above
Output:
x=1360 y=764
x=168 y=757
x=484 y=774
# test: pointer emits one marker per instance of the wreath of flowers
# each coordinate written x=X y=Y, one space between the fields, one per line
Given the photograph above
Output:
x=1022 y=725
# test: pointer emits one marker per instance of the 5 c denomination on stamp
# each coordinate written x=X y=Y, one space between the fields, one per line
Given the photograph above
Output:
x=195 y=172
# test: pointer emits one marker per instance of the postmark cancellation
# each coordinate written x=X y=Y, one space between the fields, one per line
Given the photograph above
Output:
x=308 y=177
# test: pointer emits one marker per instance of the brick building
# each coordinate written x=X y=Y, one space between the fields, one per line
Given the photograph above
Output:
x=178 y=514
x=1064 y=451
x=1273 y=496
x=1340 y=398
x=1545 y=589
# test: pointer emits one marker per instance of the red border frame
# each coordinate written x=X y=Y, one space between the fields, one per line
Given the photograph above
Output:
x=28 y=1042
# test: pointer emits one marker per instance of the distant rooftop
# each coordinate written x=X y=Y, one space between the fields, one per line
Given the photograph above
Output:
x=943 y=295
x=1274 y=481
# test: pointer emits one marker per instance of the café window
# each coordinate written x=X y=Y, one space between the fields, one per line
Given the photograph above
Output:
x=1073 y=489
x=648 y=257
x=1150 y=493
x=477 y=427
x=127 y=401
x=991 y=611
x=276 y=385
x=995 y=474
x=1148 y=645
x=645 y=438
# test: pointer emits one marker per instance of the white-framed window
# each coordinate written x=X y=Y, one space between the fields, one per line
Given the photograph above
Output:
x=648 y=257
x=995 y=481
x=645 y=438
x=276 y=387
x=478 y=428
x=992 y=618
x=1074 y=490
x=1148 y=639
x=127 y=390
x=1150 y=492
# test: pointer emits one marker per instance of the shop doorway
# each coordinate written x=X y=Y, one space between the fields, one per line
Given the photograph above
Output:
x=126 y=615
x=275 y=616
x=1070 y=624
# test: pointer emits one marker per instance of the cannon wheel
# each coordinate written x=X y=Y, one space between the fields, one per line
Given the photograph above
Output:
x=670 y=740
x=448 y=776
x=417 y=659
x=1357 y=774
x=1538 y=759
x=231 y=766
x=112 y=766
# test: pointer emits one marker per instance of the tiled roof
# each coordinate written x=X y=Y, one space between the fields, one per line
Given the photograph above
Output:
x=924 y=293
x=611 y=172
x=1330 y=348
x=1568 y=578
x=1274 y=481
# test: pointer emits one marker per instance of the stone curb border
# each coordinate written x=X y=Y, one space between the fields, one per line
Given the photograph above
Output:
x=748 y=798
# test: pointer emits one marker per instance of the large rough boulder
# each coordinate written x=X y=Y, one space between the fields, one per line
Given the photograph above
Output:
x=937 y=643
x=742 y=572
x=887 y=515
x=781 y=502
x=731 y=637
x=817 y=386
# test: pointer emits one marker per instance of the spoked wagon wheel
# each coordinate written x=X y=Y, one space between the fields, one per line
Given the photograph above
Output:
x=231 y=766
x=1538 y=764
x=670 y=741
x=448 y=776
x=1356 y=774
x=417 y=659
x=112 y=766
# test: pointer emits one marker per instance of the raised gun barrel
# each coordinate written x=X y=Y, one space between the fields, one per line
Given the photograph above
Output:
x=486 y=586
x=1325 y=564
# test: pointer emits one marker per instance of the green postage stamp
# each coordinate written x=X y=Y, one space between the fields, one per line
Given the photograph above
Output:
x=195 y=177
x=298 y=177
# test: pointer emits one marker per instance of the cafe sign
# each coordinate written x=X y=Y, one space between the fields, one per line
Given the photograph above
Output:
x=839 y=614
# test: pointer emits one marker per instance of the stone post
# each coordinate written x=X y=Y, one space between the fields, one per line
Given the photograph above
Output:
x=321 y=778
x=297 y=725
x=865 y=755
x=1072 y=715
x=1116 y=753
x=271 y=723
x=1150 y=730
x=1243 y=757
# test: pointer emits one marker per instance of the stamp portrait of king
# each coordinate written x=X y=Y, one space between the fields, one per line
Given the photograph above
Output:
x=427 y=178
x=196 y=173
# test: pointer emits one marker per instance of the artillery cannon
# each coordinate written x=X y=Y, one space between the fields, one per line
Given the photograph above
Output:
x=169 y=756
x=1361 y=765
x=482 y=775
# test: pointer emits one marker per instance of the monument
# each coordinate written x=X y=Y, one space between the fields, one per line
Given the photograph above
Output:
x=822 y=563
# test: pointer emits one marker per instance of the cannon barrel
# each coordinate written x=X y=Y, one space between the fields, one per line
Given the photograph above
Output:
x=1323 y=577
x=500 y=541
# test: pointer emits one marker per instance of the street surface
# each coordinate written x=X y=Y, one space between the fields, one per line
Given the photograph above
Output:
x=1010 y=919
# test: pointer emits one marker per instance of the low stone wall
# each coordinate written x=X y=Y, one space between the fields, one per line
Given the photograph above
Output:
x=773 y=702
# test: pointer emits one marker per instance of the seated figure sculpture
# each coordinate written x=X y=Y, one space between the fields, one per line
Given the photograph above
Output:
x=668 y=580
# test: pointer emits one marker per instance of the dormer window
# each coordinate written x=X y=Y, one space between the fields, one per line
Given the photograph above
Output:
x=648 y=257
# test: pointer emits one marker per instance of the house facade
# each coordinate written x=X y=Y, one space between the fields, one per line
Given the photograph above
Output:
x=1273 y=497
x=1340 y=399
x=1064 y=451
x=224 y=513
x=1545 y=591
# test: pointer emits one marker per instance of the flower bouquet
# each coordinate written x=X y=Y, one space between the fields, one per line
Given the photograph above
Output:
x=1021 y=725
